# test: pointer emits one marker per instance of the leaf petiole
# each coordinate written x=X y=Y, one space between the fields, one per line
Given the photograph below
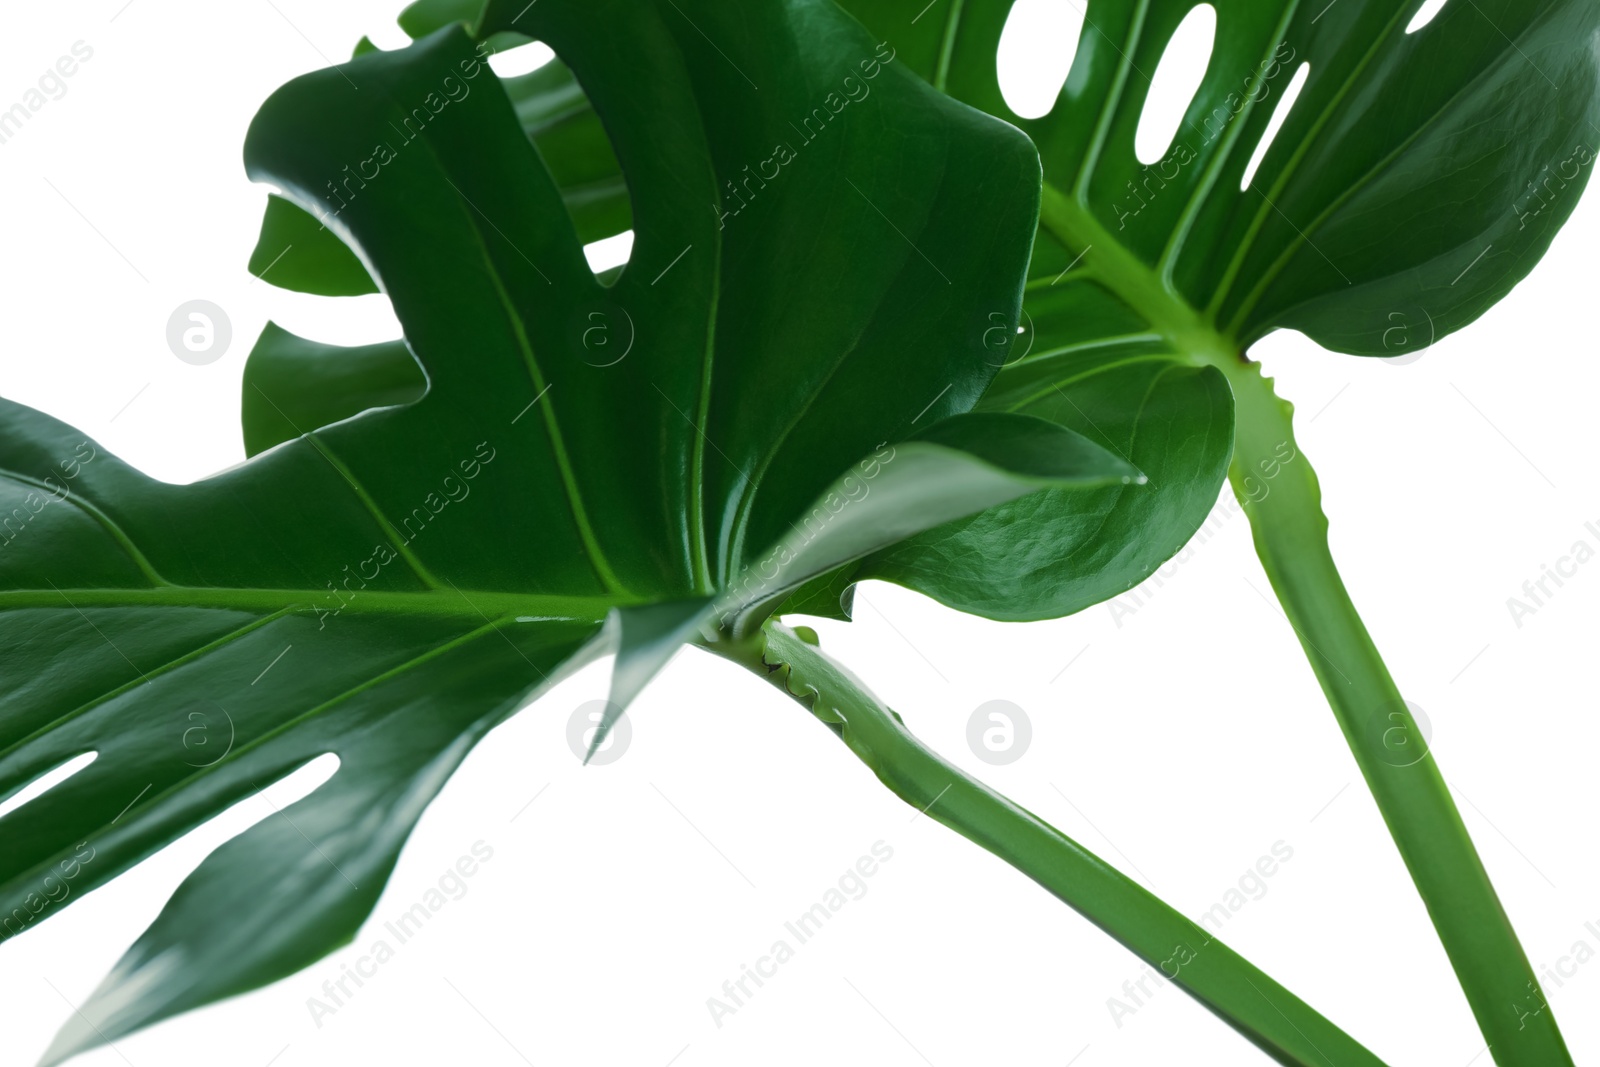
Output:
x=1260 y=1009
x=1280 y=493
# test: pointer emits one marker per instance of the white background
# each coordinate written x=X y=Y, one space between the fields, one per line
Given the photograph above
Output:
x=1182 y=742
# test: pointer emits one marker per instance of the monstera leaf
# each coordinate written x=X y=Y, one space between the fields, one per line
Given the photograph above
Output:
x=295 y=251
x=1044 y=556
x=391 y=582
x=1416 y=178
x=1421 y=172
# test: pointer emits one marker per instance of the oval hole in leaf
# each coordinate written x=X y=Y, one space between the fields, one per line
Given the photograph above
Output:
x=1177 y=79
x=609 y=254
x=574 y=145
x=523 y=59
x=1426 y=14
x=1037 y=46
x=46 y=782
x=1290 y=93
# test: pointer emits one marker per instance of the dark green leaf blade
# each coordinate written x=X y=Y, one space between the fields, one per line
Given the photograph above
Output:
x=1405 y=158
x=443 y=556
x=293 y=386
x=954 y=468
x=1054 y=553
x=313 y=871
x=1380 y=220
x=297 y=252
x=424 y=17
x=304 y=256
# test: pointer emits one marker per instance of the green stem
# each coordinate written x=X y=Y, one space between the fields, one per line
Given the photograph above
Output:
x=1280 y=493
x=1268 y=1015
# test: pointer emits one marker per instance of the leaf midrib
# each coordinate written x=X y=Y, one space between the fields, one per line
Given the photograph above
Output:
x=1191 y=335
x=468 y=604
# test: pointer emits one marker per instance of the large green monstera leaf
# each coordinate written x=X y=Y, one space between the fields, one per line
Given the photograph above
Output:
x=1416 y=179
x=387 y=582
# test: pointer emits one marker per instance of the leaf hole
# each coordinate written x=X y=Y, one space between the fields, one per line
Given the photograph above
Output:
x=523 y=59
x=1291 y=93
x=1035 y=55
x=46 y=782
x=1426 y=14
x=609 y=255
x=1177 y=79
x=576 y=149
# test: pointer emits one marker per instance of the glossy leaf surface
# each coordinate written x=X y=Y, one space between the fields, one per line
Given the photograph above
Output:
x=295 y=250
x=416 y=562
x=1415 y=180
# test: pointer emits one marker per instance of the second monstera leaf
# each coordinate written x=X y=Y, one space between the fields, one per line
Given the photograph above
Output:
x=1417 y=177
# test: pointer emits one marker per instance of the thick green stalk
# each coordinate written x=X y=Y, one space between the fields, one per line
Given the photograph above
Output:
x=1268 y=1015
x=1281 y=496
x=1280 y=493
